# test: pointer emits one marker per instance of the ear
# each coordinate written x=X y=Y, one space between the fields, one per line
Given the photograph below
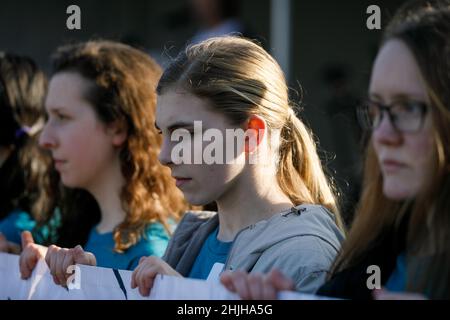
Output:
x=118 y=130
x=254 y=133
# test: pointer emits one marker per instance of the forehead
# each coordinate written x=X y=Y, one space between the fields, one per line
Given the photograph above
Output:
x=66 y=89
x=396 y=72
x=178 y=106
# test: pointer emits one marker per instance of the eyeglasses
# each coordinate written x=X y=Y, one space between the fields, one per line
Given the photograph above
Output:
x=405 y=116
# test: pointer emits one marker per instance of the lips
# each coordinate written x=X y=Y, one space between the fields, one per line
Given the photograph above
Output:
x=59 y=163
x=180 y=181
x=391 y=166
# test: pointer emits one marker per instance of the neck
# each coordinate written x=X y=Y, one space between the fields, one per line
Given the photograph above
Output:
x=255 y=197
x=106 y=190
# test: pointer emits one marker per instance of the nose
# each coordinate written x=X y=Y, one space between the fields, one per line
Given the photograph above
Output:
x=165 y=153
x=386 y=134
x=46 y=138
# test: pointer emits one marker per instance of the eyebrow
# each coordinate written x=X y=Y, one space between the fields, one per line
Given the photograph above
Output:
x=398 y=96
x=177 y=125
x=55 y=109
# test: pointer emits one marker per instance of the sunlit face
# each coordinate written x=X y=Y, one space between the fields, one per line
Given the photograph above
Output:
x=81 y=147
x=405 y=158
x=200 y=183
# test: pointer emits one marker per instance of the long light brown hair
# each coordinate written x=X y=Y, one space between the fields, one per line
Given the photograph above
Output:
x=424 y=26
x=241 y=79
x=23 y=176
x=123 y=89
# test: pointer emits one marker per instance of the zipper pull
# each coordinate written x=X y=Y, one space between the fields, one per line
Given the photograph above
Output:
x=298 y=211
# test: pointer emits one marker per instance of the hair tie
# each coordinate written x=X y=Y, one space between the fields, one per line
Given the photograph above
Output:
x=30 y=131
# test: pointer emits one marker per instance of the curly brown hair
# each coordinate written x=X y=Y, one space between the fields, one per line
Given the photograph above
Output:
x=124 y=89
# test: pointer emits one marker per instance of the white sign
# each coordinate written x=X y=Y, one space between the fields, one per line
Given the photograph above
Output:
x=95 y=283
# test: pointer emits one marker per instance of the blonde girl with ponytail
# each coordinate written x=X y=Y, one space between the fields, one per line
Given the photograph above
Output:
x=278 y=212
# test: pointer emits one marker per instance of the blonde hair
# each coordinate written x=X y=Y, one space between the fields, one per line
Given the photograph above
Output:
x=241 y=79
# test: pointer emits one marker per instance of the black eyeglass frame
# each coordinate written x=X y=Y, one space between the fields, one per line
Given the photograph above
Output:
x=367 y=123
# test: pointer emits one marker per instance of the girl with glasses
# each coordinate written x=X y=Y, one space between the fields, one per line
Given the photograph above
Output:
x=400 y=238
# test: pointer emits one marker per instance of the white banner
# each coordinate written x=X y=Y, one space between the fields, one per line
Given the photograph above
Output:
x=95 y=283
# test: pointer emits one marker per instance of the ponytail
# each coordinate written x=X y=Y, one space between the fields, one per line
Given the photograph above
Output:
x=239 y=78
x=300 y=173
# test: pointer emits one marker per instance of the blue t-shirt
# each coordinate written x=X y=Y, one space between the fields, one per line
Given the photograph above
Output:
x=397 y=280
x=102 y=246
x=17 y=221
x=211 y=252
x=13 y=225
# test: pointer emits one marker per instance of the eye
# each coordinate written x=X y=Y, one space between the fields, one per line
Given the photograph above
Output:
x=409 y=107
x=61 y=116
x=373 y=108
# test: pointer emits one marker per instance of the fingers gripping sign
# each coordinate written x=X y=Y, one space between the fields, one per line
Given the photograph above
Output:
x=256 y=286
x=61 y=262
x=31 y=253
x=144 y=275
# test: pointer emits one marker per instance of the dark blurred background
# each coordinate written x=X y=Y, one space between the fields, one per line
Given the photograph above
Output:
x=323 y=46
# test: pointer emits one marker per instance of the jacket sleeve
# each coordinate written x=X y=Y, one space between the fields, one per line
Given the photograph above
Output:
x=171 y=255
x=304 y=259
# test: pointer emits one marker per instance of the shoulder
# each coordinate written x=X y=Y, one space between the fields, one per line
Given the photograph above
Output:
x=304 y=250
x=156 y=230
x=16 y=222
x=20 y=219
x=310 y=224
x=315 y=213
x=197 y=216
x=153 y=242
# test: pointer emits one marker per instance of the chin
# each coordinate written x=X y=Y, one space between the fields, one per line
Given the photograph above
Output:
x=69 y=183
x=397 y=193
x=194 y=200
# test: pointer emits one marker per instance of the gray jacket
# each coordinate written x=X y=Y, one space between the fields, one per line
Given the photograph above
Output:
x=302 y=243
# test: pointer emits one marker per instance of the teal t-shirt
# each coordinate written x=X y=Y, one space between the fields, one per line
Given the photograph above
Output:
x=18 y=221
x=102 y=246
x=13 y=225
x=212 y=251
